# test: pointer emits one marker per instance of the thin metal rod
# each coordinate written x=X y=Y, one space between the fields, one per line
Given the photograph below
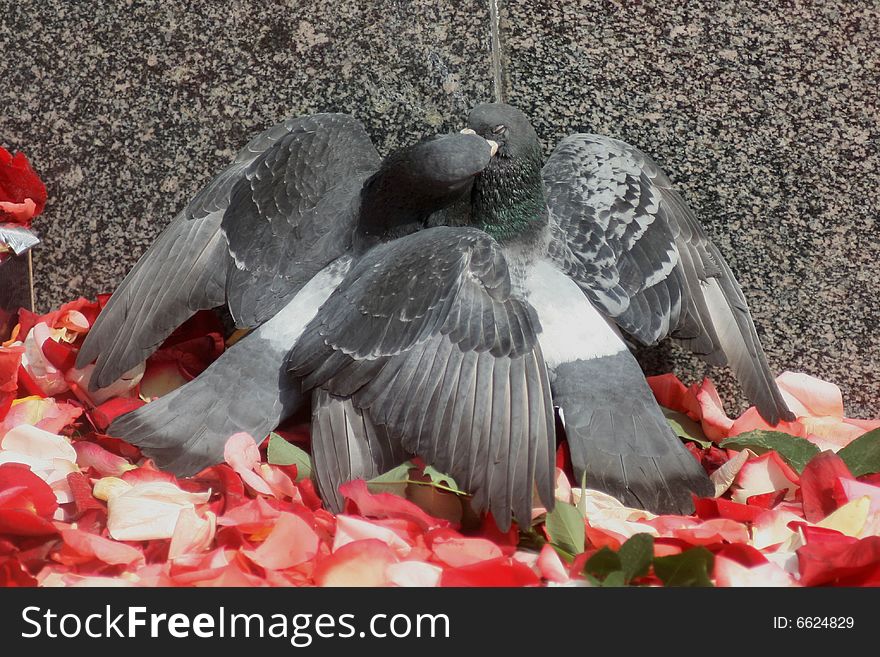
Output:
x=497 y=72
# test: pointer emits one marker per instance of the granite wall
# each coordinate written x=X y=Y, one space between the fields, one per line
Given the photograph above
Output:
x=764 y=114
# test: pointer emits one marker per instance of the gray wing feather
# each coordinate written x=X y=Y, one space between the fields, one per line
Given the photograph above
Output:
x=425 y=337
x=292 y=212
x=218 y=250
x=182 y=272
x=636 y=249
x=346 y=445
x=190 y=257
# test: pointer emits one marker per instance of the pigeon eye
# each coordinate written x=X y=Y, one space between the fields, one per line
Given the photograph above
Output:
x=499 y=129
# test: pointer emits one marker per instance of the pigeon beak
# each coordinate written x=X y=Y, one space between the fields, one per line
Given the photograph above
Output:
x=492 y=144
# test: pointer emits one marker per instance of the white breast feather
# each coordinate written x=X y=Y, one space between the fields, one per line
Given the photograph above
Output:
x=572 y=328
x=284 y=328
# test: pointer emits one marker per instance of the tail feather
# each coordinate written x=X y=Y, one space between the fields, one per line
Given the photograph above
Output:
x=619 y=440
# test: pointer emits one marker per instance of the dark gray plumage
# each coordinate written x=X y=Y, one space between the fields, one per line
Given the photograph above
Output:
x=251 y=238
x=305 y=193
x=425 y=338
x=346 y=445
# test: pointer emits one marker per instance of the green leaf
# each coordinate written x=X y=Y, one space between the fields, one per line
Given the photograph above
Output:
x=617 y=578
x=281 y=452
x=797 y=452
x=394 y=481
x=636 y=555
x=862 y=456
x=690 y=568
x=565 y=526
x=438 y=477
x=567 y=557
x=686 y=428
x=603 y=563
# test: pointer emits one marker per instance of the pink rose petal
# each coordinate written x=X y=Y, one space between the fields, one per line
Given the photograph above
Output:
x=243 y=456
x=413 y=573
x=291 y=542
x=103 y=549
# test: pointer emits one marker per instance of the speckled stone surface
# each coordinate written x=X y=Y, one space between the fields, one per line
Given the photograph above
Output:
x=127 y=108
x=765 y=114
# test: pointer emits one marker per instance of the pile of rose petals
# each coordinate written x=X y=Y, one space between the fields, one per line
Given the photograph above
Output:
x=795 y=505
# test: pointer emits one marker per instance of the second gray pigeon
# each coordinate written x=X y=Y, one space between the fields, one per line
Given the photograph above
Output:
x=601 y=244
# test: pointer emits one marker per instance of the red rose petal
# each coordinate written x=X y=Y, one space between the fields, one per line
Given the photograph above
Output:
x=13 y=574
x=819 y=485
x=766 y=501
x=81 y=488
x=28 y=385
x=148 y=473
x=19 y=183
x=842 y=561
x=497 y=572
x=461 y=551
x=10 y=361
x=669 y=391
x=104 y=414
x=38 y=498
x=707 y=508
x=361 y=563
x=92 y=455
x=103 y=549
x=18 y=522
x=160 y=378
x=224 y=480
x=291 y=542
x=743 y=554
x=116 y=446
x=58 y=354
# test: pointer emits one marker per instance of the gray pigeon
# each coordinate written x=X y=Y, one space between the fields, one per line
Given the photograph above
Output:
x=599 y=242
x=246 y=389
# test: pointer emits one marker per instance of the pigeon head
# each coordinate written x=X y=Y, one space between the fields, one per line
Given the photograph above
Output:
x=506 y=126
x=414 y=182
x=508 y=196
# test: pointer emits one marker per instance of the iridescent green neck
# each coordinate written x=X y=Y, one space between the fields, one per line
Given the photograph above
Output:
x=508 y=198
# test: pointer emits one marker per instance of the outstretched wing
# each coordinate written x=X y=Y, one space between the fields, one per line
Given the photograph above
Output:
x=425 y=336
x=292 y=212
x=189 y=266
x=639 y=254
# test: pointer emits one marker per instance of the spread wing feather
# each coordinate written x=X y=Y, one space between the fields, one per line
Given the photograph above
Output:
x=639 y=254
